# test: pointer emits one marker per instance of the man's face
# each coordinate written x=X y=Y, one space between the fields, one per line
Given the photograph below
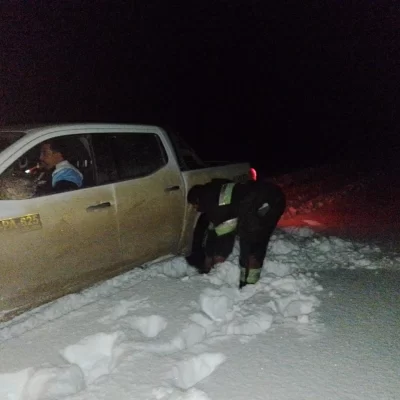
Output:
x=49 y=158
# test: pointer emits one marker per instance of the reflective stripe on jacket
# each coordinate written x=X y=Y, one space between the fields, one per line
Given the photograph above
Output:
x=225 y=198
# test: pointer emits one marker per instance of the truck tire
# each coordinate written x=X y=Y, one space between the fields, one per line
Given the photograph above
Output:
x=197 y=256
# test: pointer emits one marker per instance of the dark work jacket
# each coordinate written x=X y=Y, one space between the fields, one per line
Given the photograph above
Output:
x=246 y=198
x=209 y=199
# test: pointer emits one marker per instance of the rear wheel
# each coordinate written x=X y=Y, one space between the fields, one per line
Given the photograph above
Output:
x=197 y=256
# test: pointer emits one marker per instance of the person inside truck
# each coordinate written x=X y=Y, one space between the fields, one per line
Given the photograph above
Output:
x=250 y=210
x=64 y=176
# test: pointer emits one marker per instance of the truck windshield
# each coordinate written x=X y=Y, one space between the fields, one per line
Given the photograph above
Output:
x=8 y=138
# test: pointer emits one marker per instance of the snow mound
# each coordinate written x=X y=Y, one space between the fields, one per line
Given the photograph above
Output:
x=149 y=326
x=12 y=384
x=96 y=355
x=53 y=383
x=216 y=304
x=177 y=394
x=300 y=249
x=47 y=382
x=250 y=324
x=225 y=273
x=189 y=336
x=174 y=268
x=189 y=372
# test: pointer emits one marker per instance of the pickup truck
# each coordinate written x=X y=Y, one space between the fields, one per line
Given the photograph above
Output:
x=130 y=210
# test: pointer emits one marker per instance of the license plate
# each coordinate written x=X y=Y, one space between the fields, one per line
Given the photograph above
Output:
x=22 y=224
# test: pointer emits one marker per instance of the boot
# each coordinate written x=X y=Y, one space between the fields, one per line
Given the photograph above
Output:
x=209 y=263
x=206 y=266
x=249 y=276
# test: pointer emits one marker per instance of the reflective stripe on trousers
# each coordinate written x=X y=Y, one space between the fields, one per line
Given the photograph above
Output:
x=253 y=275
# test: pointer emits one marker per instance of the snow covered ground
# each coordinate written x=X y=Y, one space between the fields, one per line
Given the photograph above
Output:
x=323 y=323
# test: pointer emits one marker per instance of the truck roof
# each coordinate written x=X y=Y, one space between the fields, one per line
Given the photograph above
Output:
x=28 y=128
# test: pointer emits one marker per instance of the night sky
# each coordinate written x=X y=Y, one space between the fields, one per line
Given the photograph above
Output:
x=316 y=80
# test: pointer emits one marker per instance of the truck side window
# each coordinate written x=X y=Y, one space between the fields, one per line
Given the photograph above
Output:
x=187 y=158
x=137 y=154
x=120 y=156
x=28 y=176
x=106 y=170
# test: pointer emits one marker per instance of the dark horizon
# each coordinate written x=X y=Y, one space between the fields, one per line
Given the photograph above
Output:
x=277 y=84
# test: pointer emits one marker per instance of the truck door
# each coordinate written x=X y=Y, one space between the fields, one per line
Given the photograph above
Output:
x=149 y=192
x=54 y=243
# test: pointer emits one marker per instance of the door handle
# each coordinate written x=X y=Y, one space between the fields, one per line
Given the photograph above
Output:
x=171 y=188
x=98 y=206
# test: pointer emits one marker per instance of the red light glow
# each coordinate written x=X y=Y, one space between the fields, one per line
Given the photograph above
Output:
x=253 y=174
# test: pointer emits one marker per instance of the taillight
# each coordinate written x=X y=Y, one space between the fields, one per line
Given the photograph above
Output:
x=252 y=174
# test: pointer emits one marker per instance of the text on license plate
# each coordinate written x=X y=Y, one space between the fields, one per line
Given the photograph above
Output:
x=24 y=223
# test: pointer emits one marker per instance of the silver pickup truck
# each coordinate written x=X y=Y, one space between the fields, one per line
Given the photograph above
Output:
x=130 y=210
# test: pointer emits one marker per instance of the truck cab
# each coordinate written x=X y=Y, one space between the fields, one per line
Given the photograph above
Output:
x=131 y=208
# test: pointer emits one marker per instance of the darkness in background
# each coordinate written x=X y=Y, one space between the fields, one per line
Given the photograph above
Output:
x=284 y=84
